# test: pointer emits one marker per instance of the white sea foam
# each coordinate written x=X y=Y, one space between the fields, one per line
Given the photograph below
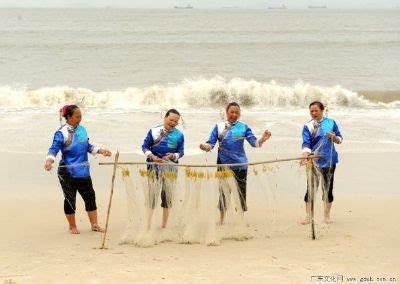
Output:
x=190 y=94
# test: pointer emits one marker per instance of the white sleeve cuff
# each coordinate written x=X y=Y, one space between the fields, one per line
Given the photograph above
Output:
x=95 y=150
x=306 y=150
x=211 y=146
x=257 y=144
x=50 y=157
x=147 y=153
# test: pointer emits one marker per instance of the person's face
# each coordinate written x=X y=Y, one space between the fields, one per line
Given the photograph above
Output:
x=76 y=117
x=171 y=121
x=315 y=112
x=233 y=114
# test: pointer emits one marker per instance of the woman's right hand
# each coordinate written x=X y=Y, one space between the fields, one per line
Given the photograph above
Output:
x=205 y=147
x=155 y=159
x=303 y=162
x=48 y=165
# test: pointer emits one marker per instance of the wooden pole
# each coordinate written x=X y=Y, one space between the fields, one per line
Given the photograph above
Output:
x=312 y=182
x=213 y=165
x=111 y=195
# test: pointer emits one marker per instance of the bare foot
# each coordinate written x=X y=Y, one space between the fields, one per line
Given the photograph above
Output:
x=97 y=228
x=74 y=231
x=327 y=220
x=306 y=221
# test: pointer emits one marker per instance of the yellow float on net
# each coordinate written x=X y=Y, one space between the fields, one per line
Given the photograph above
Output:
x=146 y=173
x=190 y=173
x=170 y=174
x=125 y=172
x=264 y=168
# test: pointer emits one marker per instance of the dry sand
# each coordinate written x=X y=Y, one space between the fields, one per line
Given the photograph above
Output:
x=363 y=241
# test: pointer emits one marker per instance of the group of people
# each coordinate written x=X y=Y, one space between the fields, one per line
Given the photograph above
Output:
x=164 y=144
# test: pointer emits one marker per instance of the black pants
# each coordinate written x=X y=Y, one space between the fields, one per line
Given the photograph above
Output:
x=327 y=176
x=72 y=185
x=241 y=179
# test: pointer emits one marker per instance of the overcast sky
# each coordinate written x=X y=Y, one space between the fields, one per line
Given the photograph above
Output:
x=200 y=3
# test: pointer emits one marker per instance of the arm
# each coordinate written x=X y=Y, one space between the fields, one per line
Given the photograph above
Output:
x=55 y=147
x=92 y=148
x=306 y=146
x=212 y=140
x=179 y=152
x=181 y=148
x=335 y=134
x=96 y=149
x=147 y=143
x=251 y=138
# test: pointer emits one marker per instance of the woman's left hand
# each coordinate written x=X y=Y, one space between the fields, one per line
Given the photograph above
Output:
x=332 y=135
x=105 y=152
x=266 y=135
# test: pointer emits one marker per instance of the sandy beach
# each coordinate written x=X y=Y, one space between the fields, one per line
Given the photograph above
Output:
x=362 y=242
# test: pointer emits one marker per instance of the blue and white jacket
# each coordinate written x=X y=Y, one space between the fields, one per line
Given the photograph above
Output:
x=231 y=142
x=74 y=146
x=315 y=141
x=160 y=141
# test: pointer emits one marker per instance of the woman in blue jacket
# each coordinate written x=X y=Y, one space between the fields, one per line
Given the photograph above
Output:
x=73 y=171
x=230 y=135
x=319 y=136
x=162 y=144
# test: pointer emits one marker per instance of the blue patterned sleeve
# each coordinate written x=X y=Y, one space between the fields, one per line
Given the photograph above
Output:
x=337 y=131
x=212 y=140
x=56 y=146
x=148 y=142
x=250 y=137
x=181 y=147
x=306 y=146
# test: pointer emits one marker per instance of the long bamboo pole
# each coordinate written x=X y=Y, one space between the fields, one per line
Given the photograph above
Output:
x=312 y=184
x=213 y=165
x=109 y=202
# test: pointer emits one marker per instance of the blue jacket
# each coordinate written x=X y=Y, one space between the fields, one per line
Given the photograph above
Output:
x=231 y=142
x=159 y=144
x=316 y=141
x=74 y=146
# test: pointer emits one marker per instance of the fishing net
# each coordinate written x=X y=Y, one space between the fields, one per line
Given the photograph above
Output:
x=196 y=197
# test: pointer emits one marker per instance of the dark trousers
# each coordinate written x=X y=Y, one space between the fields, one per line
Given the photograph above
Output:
x=240 y=176
x=327 y=178
x=72 y=185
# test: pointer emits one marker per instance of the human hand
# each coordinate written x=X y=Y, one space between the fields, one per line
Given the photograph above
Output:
x=205 y=147
x=105 y=152
x=48 y=165
x=303 y=162
x=155 y=159
x=266 y=135
x=169 y=156
x=331 y=135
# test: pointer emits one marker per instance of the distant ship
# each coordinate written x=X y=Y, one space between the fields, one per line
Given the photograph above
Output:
x=317 y=7
x=184 y=7
x=283 y=7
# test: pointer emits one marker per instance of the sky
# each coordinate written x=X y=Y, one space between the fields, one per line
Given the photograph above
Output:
x=203 y=4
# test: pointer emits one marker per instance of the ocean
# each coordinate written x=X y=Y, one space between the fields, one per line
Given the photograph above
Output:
x=124 y=68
